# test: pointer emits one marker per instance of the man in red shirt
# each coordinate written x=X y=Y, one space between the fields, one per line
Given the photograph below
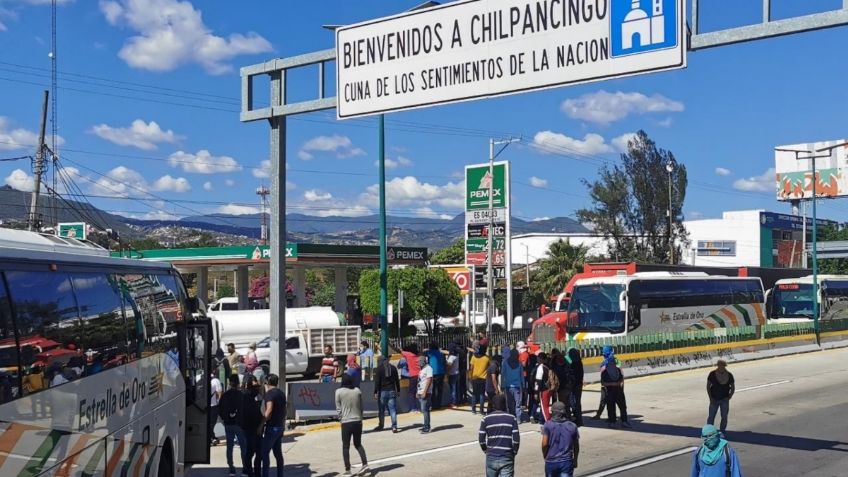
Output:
x=330 y=369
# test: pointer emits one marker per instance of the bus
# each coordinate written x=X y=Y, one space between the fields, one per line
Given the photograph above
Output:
x=658 y=302
x=104 y=363
x=791 y=299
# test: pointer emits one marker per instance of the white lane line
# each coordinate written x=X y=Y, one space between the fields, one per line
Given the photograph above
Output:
x=432 y=451
x=642 y=463
x=751 y=388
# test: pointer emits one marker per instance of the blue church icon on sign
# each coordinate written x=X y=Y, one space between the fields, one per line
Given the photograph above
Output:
x=638 y=26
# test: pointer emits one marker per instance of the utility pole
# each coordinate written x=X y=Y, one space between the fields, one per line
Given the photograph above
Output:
x=670 y=168
x=39 y=167
x=263 y=193
x=527 y=264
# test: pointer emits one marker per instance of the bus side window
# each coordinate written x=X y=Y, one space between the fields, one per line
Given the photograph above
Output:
x=10 y=386
x=634 y=306
x=48 y=326
x=102 y=331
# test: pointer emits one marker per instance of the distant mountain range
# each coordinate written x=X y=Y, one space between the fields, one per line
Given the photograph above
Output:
x=409 y=231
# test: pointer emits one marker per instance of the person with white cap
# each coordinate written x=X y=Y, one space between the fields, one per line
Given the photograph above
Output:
x=720 y=388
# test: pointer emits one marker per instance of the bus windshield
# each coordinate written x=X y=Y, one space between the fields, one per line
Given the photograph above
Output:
x=793 y=300
x=597 y=308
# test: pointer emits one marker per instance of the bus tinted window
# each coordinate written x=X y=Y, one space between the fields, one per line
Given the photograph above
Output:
x=152 y=304
x=102 y=335
x=48 y=325
x=696 y=292
x=9 y=373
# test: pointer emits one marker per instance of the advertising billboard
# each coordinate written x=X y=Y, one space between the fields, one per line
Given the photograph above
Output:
x=795 y=176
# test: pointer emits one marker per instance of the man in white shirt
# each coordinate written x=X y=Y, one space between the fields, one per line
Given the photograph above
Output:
x=425 y=380
x=215 y=390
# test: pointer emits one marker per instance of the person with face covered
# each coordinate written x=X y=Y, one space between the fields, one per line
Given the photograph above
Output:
x=720 y=388
x=715 y=457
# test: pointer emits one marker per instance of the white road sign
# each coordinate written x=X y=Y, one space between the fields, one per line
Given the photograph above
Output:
x=480 y=48
x=476 y=217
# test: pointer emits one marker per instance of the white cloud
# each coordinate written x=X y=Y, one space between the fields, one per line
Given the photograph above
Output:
x=207 y=186
x=171 y=33
x=620 y=142
x=315 y=195
x=409 y=191
x=341 y=146
x=667 y=122
x=229 y=183
x=203 y=162
x=431 y=214
x=290 y=185
x=121 y=182
x=236 y=209
x=171 y=184
x=263 y=171
x=539 y=219
x=549 y=142
x=395 y=163
x=19 y=138
x=20 y=180
x=603 y=107
x=721 y=171
x=146 y=136
x=538 y=182
x=764 y=182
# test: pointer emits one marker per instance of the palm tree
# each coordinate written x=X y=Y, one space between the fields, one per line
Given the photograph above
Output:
x=561 y=263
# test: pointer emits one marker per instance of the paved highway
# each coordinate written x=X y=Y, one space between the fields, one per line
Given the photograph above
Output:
x=788 y=418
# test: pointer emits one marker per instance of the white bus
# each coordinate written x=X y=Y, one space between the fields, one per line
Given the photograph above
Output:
x=791 y=299
x=658 y=302
x=104 y=371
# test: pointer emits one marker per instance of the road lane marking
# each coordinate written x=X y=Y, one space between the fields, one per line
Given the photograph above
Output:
x=433 y=451
x=751 y=388
x=642 y=463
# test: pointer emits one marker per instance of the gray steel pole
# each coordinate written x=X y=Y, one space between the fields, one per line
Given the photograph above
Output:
x=490 y=282
x=384 y=287
x=815 y=261
x=278 y=233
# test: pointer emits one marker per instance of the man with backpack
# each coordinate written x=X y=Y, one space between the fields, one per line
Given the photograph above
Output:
x=230 y=410
x=612 y=380
x=715 y=458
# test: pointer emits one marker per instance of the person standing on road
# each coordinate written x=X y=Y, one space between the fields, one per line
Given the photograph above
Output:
x=437 y=363
x=215 y=390
x=609 y=356
x=366 y=360
x=329 y=366
x=353 y=369
x=275 y=415
x=612 y=379
x=493 y=374
x=349 y=407
x=386 y=391
x=576 y=365
x=410 y=357
x=539 y=376
x=720 y=388
x=560 y=443
x=511 y=379
x=251 y=424
x=565 y=380
x=499 y=438
x=229 y=408
x=452 y=362
x=715 y=458
x=232 y=356
x=251 y=361
x=424 y=391
x=477 y=370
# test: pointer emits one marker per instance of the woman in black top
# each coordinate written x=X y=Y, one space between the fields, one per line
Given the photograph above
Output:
x=252 y=423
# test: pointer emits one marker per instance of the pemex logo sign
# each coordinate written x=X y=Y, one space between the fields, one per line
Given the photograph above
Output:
x=477 y=183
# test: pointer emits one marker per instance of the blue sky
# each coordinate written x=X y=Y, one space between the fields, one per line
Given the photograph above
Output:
x=119 y=73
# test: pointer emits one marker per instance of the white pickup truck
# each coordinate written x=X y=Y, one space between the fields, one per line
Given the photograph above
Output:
x=308 y=330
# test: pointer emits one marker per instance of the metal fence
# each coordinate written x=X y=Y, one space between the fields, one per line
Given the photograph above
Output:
x=445 y=338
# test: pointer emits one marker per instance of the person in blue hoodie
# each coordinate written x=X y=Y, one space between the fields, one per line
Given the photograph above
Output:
x=511 y=377
x=715 y=458
x=436 y=360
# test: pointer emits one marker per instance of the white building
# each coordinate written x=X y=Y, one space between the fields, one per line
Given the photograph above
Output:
x=752 y=238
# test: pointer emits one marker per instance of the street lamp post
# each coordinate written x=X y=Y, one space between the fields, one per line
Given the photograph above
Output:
x=670 y=168
x=490 y=281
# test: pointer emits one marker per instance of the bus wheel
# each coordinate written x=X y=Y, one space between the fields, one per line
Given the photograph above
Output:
x=166 y=462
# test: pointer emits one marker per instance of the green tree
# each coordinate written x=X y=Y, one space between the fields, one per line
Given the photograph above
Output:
x=325 y=295
x=428 y=293
x=630 y=203
x=450 y=255
x=834 y=266
x=561 y=262
x=225 y=291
